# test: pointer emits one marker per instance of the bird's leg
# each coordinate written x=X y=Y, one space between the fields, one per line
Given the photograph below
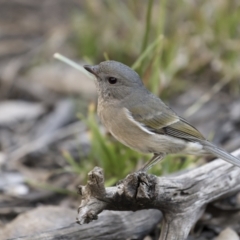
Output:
x=156 y=158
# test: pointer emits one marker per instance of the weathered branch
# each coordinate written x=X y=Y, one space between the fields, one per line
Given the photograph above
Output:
x=111 y=225
x=180 y=198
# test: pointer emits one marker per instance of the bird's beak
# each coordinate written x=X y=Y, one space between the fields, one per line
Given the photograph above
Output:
x=92 y=69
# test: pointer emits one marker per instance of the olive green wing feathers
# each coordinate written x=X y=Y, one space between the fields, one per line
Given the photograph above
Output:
x=183 y=129
x=161 y=119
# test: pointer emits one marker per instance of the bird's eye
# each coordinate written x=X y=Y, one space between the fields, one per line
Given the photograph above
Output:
x=112 y=80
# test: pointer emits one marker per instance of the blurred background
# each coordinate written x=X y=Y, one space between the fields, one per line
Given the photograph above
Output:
x=187 y=52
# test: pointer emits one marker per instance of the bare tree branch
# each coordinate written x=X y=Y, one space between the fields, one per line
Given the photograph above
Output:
x=181 y=199
x=111 y=225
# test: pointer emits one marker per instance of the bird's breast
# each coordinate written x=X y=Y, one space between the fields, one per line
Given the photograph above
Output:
x=116 y=121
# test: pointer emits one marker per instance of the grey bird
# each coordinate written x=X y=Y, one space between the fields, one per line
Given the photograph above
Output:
x=140 y=120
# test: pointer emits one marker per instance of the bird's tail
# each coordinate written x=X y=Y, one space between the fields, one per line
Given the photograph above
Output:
x=211 y=148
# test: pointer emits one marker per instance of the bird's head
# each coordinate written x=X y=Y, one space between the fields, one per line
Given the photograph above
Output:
x=114 y=79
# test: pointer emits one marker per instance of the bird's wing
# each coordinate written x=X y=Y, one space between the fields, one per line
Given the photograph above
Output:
x=159 y=118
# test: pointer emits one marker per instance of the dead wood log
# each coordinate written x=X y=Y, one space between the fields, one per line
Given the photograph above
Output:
x=111 y=225
x=182 y=198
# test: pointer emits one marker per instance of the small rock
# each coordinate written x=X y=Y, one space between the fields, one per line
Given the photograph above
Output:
x=17 y=190
x=14 y=111
x=227 y=234
x=41 y=219
x=10 y=179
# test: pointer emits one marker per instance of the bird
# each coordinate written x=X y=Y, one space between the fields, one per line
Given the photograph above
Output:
x=142 y=121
